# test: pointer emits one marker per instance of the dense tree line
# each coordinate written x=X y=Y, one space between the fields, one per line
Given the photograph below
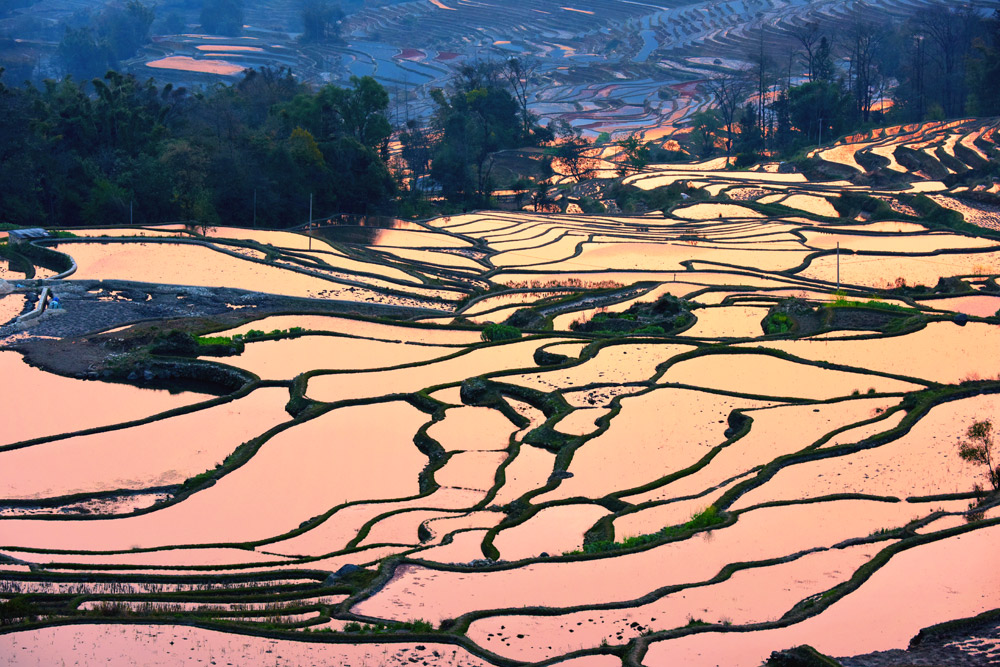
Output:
x=943 y=62
x=92 y=153
x=111 y=149
x=485 y=111
x=116 y=33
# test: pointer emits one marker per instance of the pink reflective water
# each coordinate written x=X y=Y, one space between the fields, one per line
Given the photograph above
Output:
x=284 y=359
x=790 y=529
x=749 y=596
x=57 y=405
x=168 y=646
x=951 y=578
x=472 y=429
x=298 y=474
x=188 y=64
x=923 y=462
x=771 y=376
x=553 y=530
x=940 y=352
x=770 y=437
x=155 y=454
x=358 y=385
x=654 y=435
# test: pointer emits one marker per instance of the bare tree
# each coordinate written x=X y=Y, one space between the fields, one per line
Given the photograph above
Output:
x=949 y=32
x=865 y=76
x=762 y=73
x=809 y=37
x=518 y=72
x=729 y=91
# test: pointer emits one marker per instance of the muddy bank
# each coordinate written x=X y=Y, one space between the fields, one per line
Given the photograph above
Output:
x=68 y=340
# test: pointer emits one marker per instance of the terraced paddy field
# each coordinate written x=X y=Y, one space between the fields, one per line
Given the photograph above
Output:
x=682 y=438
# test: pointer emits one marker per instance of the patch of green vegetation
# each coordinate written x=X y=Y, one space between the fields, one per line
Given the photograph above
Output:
x=842 y=301
x=852 y=204
x=705 y=519
x=214 y=340
x=17 y=609
x=666 y=313
x=257 y=334
x=778 y=323
x=592 y=206
x=493 y=333
x=631 y=199
x=418 y=625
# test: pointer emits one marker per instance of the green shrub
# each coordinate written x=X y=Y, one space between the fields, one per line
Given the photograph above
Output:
x=705 y=519
x=214 y=340
x=498 y=332
x=777 y=323
x=592 y=206
x=851 y=204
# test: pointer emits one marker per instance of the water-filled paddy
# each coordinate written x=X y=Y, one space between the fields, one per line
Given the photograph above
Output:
x=74 y=405
x=284 y=359
x=845 y=628
x=159 y=453
x=619 y=454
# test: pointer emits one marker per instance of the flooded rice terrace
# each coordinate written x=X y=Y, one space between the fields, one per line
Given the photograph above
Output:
x=505 y=438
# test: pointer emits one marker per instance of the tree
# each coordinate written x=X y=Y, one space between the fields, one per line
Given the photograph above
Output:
x=478 y=119
x=518 y=73
x=706 y=131
x=808 y=37
x=762 y=73
x=320 y=21
x=222 y=17
x=84 y=54
x=984 y=69
x=978 y=449
x=949 y=32
x=573 y=152
x=823 y=67
x=634 y=154
x=729 y=92
x=817 y=109
x=866 y=78
x=187 y=164
x=126 y=28
x=415 y=144
x=750 y=143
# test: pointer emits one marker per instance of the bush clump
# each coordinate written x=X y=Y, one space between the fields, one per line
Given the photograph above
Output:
x=778 y=323
x=705 y=519
x=665 y=314
x=493 y=333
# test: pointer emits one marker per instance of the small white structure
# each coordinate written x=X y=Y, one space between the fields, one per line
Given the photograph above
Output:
x=24 y=235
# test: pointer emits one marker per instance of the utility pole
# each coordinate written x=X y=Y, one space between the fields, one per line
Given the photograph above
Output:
x=255 y=208
x=838 y=266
